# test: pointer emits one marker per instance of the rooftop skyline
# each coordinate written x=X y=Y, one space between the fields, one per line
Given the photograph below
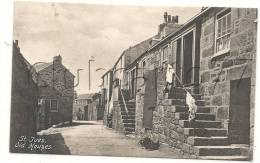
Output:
x=79 y=31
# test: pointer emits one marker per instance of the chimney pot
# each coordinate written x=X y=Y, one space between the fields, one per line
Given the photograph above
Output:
x=173 y=19
x=169 y=18
x=165 y=17
x=16 y=42
x=176 y=19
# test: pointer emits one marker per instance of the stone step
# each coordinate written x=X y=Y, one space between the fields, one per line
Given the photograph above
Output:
x=199 y=116
x=205 y=132
x=123 y=113
x=200 y=124
x=127 y=103
x=183 y=96
x=129 y=125
x=129 y=121
x=206 y=141
x=129 y=132
x=217 y=151
x=129 y=109
x=168 y=102
x=129 y=129
x=234 y=158
x=200 y=109
x=128 y=117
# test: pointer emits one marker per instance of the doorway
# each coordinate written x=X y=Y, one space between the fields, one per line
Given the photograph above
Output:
x=178 y=61
x=239 y=111
x=86 y=113
x=187 y=73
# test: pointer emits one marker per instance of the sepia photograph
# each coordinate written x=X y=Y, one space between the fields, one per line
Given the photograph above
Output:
x=147 y=81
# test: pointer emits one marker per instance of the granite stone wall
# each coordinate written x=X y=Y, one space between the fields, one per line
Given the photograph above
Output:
x=58 y=77
x=24 y=100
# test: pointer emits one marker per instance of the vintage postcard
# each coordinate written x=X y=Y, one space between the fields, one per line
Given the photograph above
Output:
x=137 y=81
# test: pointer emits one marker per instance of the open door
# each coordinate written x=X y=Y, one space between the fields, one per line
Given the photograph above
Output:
x=178 y=61
x=239 y=112
x=187 y=73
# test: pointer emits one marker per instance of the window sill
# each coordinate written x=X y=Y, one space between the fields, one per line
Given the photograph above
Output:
x=220 y=53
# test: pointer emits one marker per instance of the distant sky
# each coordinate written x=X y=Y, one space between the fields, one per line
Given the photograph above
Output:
x=79 y=31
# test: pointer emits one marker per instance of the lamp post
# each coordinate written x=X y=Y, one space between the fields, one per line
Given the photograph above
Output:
x=89 y=77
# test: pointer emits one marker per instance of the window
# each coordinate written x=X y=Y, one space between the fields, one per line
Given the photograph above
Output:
x=52 y=105
x=165 y=54
x=143 y=67
x=132 y=82
x=223 y=28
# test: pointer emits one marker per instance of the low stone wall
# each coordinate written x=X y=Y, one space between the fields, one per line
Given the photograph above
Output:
x=167 y=130
x=117 y=123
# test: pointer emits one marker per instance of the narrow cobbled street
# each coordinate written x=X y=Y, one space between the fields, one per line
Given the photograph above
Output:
x=92 y=138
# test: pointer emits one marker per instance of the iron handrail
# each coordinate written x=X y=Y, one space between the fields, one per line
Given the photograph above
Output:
x=125 y=107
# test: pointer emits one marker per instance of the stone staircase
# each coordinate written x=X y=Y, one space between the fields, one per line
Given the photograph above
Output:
x=128 y=117
x=205 y=137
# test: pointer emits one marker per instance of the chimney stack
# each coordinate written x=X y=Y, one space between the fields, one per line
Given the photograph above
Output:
x=176 y=19
x=57 y=59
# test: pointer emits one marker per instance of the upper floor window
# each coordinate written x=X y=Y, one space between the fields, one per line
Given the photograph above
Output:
x=223 y=30
x=165 y=54
x=143 y=67
x=52 y=105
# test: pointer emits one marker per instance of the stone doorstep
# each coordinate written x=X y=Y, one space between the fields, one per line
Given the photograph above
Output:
x=217 y=150
x=198 y=116
x=200 y=124
x=207 y=141
x=205 y=132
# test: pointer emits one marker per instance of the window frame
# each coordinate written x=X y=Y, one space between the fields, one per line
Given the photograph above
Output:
x=181 y=36
x=226 y=50
x=164 y=57
x=143 y=67
x=52 y=110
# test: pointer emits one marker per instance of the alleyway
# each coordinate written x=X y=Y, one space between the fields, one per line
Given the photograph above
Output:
x=92 y=138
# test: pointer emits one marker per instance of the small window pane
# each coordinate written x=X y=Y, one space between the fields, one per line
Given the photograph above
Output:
x=219 y=28
x=224 y=23
x=54 y=104
x=228 y=23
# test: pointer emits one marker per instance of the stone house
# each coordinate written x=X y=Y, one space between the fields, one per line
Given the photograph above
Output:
x=56 y=84
x=24 y=100
x=213 y=56
x=106 y=94
x=80 y=106
x=95 y=108
x=125 y=79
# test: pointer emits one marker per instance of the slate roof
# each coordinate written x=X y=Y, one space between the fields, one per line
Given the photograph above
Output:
x=41 y=66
